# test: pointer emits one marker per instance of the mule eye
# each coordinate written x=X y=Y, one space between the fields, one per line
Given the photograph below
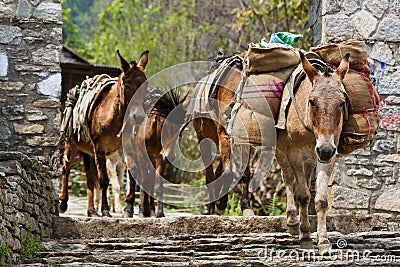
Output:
x=341 y=105
x=312 y=103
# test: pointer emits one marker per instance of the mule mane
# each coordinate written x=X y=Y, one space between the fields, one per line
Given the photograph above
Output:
x=163 y=102
x=327 y=71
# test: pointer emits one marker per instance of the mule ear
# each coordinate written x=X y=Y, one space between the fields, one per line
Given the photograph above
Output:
x=343 y=68
x=308 y=68
x=123 y=64
x=144 y=58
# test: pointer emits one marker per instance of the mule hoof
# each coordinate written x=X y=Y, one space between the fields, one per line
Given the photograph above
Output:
x=127 y=214
x=62 y=207
x=160 y=214
x=324 y=247
x=213 y=212
x=294 y=229
x=248 y=212
x=93 y=214
x=152 y=214
x=306 y=243
x=218 y=211
x=106 y=213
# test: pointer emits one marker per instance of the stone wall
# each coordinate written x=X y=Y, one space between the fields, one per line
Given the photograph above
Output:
x=368 y=180
x=28 y=205
x=30 y=76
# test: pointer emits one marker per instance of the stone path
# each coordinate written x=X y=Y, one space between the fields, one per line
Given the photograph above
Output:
x=209 y=241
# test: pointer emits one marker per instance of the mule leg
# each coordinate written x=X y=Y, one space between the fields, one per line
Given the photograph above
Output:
x=104 y=182
x=152 y=206
x=68 y=156
x=223 y=168
x=120 y=184
x=91 y=182
x=144 y=207
x=130 y=197
x=159 y=187
x=324 y=172
x=96 y=198
x=246 y=195
x=205 y=128
x=288 y=177
x=113 y=175
x=206 y=156
x=246 y=178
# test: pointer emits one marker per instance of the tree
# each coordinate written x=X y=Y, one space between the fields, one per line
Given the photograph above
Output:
x=137 y=25
x=261 y=18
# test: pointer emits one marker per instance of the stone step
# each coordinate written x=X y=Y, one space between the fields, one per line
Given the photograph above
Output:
x=376 y=248
x=216 y=241
x=96 y=228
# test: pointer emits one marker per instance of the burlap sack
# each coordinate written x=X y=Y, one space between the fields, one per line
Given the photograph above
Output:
x=332 y=54
x=360 y=91
x=363 y=120
x=358 y=131
x=260 y=60
x=266 y=87
x=253 y=128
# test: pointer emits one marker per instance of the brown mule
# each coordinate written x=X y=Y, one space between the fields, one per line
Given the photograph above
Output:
x=152 y=144
x=310 y=142
x=103 y=132
x=206 y=128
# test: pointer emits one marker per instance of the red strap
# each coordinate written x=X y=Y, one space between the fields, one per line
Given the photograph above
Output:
x=365 y=115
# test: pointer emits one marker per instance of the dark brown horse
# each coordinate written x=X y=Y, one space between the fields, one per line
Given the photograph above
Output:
x=153 y=142
x=207 y=128
x=103 y=132
x=310 y=142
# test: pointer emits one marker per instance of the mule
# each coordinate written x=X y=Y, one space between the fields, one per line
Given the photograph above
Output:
x=103 y=133
x=310 y=143
x=207 y=128
x=159 y=133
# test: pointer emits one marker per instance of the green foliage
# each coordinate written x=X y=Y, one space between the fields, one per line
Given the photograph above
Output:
x=36 y=166
x=138 y=25
x=4 y=253
x=78 y=186
x=31 y=247
x=272 y=206
x=262 y=18
x=233 y=207
x=73 y=35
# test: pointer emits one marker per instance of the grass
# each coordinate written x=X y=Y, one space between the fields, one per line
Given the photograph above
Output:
x=4 y=253
x=31 y=247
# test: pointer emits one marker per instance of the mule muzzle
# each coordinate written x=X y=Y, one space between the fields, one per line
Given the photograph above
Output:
x=325 y=153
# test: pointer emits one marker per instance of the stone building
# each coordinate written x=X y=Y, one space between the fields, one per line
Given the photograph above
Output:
x=30 y=77
x=368 y=180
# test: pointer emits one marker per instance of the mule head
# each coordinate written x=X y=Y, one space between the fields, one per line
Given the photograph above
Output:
x=173 y=127
x=326 y=107
x=131 y=79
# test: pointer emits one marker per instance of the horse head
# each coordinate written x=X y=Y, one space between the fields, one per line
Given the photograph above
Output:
x=131 y=80
x=327 y=106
